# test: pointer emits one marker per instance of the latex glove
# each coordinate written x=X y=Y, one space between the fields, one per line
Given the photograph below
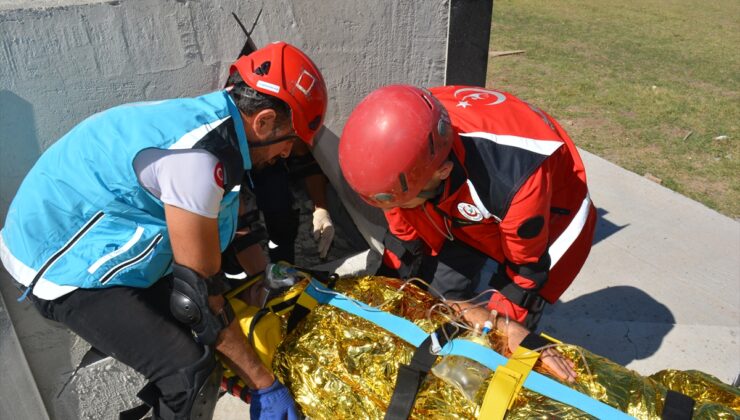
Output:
x=273 y=402
x=323 y=230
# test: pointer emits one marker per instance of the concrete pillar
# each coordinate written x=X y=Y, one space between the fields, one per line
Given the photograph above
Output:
x=467 y=47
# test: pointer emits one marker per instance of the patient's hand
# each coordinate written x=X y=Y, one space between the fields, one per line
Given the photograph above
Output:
x=562 y=367
x=558 y=364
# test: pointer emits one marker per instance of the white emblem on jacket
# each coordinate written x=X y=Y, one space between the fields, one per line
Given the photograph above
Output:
x=477 y=94
x=470 y=212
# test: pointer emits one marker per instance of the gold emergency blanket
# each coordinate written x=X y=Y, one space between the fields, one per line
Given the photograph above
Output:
x=341 y=366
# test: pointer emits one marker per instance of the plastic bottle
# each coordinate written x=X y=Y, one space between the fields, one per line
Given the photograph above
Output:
x=278 y=277
x=465 y=374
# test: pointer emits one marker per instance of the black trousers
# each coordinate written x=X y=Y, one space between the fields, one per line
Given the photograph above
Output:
x=135 y=327
x=272 y=186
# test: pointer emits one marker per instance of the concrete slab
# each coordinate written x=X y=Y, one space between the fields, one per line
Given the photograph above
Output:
x=231 y=408
x=661 y=288
x=20 y=396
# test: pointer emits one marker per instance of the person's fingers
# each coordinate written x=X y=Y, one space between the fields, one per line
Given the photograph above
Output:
x=558 y=368
x=323 y=246
x=560 y=365
x=323 y=231
x=327 y=236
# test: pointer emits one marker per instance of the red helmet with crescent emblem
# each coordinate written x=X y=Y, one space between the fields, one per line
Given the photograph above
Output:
x=282 y=70
x=392 y=144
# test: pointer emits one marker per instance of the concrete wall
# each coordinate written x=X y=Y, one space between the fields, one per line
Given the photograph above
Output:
x=63 y=60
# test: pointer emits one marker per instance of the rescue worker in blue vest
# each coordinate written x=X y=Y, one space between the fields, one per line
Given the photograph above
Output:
x=118 y=229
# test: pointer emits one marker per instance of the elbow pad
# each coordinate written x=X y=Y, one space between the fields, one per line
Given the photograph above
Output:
x=189 y=304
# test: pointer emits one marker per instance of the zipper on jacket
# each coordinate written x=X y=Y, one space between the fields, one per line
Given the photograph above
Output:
x=61 y=251
x=128 y=263
x=107 y=257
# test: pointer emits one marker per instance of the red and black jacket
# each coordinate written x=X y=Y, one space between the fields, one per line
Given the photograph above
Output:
x=517 y=194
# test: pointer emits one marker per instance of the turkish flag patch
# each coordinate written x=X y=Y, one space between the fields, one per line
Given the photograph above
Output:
x=218 y=174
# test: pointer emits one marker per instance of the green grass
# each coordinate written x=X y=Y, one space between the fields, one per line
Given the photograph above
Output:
x=630 y=79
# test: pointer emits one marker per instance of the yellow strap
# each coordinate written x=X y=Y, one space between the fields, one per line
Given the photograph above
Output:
x=307 y=301
x=506 y=383
x=274 y=302
x=554 y=340
x=249 y=281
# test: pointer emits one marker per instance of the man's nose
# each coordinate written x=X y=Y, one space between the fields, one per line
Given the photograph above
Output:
x=286 y=152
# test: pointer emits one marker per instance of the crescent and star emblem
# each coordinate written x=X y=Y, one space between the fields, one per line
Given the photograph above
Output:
x=468 y=95
x=218 y=174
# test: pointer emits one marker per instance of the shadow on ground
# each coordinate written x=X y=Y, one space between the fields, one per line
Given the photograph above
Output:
x=19 y=145
x=622 y=323
x=604 y=228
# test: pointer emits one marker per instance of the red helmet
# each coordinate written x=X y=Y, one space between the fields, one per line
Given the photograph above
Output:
x=284 y=71
x=392 y=144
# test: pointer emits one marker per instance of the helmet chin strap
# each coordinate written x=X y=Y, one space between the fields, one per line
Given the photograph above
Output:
x=428 y=194
x=432 y=193
x=280 y=139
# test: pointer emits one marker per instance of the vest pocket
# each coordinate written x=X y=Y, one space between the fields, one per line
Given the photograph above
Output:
x=141 y=256
x=112 y=246
x=107 y=257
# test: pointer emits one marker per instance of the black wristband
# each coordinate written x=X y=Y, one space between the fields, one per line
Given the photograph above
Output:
x=535 y=341
x=226 y=314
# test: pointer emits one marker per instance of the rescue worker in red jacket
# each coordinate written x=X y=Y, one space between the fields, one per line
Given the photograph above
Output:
x=467 y=175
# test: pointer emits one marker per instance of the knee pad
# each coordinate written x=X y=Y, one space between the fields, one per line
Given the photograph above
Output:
x=189 y=304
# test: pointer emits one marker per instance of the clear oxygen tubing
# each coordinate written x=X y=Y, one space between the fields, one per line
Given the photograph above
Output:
x=466 y=375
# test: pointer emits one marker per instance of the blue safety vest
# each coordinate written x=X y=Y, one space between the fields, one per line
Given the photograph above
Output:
x=81 y=218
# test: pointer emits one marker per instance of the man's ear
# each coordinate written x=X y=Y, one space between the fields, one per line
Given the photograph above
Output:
x=444 y=171
x=263 y=123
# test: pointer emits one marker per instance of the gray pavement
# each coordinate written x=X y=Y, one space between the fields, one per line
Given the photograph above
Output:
x=661 y=288
x=20 y=396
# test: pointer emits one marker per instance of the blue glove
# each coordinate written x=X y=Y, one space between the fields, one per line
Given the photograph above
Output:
x=273 y=402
